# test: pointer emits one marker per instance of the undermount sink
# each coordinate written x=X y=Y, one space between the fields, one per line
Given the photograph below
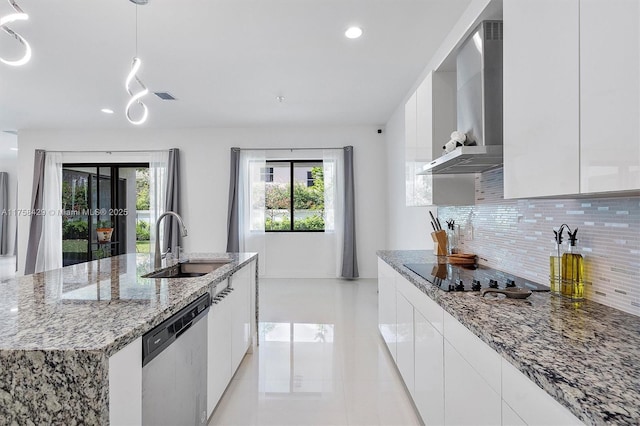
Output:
x=189 y=269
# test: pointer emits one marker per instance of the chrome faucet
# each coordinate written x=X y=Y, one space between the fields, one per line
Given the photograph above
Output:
x=183 y=231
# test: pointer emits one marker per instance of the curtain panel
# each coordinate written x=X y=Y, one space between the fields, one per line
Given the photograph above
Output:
x=172 y=238
x=349 y=251
x=246 y=209
x=339 y=215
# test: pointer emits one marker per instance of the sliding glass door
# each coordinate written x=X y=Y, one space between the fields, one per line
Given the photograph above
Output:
x=99 y=202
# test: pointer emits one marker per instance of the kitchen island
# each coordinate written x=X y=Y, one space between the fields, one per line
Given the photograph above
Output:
x=59 y=329
x=582 y=354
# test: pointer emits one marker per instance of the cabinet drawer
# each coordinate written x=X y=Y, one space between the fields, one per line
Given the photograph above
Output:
x=531 y=403
x=422 y=303
x=468 y=398
x=478 y=354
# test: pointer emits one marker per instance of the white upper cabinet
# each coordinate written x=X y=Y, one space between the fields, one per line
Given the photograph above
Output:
x=571 y=97
x=430 y=117
x=541 y=98
x=609 y=95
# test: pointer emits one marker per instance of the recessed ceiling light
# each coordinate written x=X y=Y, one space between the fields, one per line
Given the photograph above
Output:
x=107 y=110
x=13 y=149
x=353 y=32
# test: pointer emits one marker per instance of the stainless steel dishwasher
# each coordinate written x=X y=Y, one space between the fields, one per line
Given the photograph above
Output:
x=174 y=368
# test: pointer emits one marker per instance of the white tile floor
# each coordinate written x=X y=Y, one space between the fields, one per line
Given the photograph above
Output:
x=320 y=361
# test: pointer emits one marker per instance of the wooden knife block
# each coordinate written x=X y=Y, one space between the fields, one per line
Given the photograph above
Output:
x=439 y=242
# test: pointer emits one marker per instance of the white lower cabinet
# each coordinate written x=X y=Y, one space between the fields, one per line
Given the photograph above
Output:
x=239 y=301
x=230 y=325
x=531 y=403
x=454 y=377
x=468 y=398
x=478 y=354
x=125 y=385
x=405 y=349
x=428 y=395
x=387 y=306
x=218 y=354
x=509 y=417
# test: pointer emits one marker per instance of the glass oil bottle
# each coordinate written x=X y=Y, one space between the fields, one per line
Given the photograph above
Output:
x=555 y=263
x=573 y=270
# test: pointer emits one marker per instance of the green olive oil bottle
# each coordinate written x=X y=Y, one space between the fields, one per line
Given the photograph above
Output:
x=573 y=270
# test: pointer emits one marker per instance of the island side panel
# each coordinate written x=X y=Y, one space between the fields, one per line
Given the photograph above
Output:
x=54 y=387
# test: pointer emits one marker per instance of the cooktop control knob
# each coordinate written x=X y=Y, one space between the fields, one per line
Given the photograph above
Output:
x=459 y=285
x=493 y=284
x=475 y=286
x=510 y=283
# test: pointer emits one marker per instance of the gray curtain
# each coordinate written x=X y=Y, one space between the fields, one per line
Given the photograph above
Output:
x=172 y=238
x=349 y=253
x=233 y=219
x=37 y=197
x=4 y=219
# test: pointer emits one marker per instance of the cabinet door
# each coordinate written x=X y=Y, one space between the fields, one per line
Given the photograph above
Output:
x=405 y=356
x=218 y=353
x=541 y=98
x=509 y=417
x=609 y=95
x=468 y=399
x=429 y=371
x=477 y=353
x=531 y=403
x=239 y=301
x=412 y=180
x=387 y=305
x=125 y=385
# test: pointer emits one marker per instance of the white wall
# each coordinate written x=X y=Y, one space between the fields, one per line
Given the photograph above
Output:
x=407 y=227
x=205 y=179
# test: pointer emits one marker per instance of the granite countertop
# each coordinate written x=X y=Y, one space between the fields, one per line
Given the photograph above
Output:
x=59 y=328
x=584 y=354
x=98 y=306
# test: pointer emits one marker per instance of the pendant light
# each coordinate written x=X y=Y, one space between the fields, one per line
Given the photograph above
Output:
x=7 y=19
x=133 y=76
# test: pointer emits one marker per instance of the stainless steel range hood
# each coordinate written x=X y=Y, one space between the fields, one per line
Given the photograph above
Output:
x=479 y=104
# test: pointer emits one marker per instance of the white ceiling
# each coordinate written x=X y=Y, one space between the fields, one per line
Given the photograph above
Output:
x=225 y=60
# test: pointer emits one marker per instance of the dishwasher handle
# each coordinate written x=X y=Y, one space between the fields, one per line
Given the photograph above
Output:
x=183 y=329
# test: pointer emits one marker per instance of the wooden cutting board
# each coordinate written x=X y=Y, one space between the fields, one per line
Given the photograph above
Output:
x=462 y=258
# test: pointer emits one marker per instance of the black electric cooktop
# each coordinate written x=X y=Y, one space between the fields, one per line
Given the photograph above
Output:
x=470 y=277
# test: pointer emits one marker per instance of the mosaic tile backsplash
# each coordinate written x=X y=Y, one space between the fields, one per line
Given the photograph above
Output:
x=517 y=236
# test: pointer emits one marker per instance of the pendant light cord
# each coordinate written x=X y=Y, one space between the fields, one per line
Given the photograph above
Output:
x=136 y=30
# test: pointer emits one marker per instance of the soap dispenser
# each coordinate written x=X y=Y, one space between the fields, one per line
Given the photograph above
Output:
x=573 y=269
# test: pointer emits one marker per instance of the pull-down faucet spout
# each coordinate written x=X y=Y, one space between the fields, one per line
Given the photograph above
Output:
x=183 y=231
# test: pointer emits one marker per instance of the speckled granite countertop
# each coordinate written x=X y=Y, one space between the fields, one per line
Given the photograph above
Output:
x=586 y=355
x=58 y=329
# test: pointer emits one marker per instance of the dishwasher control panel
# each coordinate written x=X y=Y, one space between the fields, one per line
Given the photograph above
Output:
x=154 y=341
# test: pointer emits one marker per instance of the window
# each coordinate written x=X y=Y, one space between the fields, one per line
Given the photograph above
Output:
x=266 y=174
x=294 y=197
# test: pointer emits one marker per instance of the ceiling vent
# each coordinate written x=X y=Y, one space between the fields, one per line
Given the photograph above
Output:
x=165 y=96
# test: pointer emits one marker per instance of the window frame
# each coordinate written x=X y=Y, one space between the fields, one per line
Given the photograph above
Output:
x=291 y=192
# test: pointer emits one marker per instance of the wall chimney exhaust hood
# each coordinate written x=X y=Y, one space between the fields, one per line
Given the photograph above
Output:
x=479 y=104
